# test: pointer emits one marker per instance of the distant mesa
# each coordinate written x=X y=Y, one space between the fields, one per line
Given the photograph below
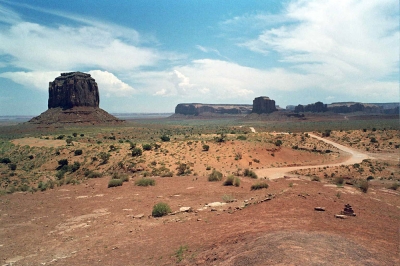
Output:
x=263 y=105
x=199 y=109
x=74 y=99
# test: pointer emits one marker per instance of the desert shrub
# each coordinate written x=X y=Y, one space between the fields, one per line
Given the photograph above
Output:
x=249 y=173
x=60 y=137
x=370 y=178
x=68 y=141
x=229 y=180
x=327 y=133
x=315 y=178
x=124 y=178
x=339 y=180
x=5 y=160
x=12 y=166
x=238 y=156
x=42 y=186
x=104 y=157
x=215 y=176
x=75 y=167
x=236 y=181
x=183 y=169
x=206 y=147
x=92 y=174
x=160 y=209
x=82 y=135
x=256 y=160
x=31 y=157
x=62 y=163
x=115 y=183
x=363 y=185
x=278 y=143
x=113 y=148
x=208 y=168
x=259 y=185
x=60 y=174
x=373 y=140
x=295 y=147
x=165 y=138
x=394 y=186
x=146 y=147
x=241 y=137
x=145 y=182
x=136 y=152
x=75 y=134
x=220 y=138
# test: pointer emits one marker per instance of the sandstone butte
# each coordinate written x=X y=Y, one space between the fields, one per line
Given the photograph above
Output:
x=74 y=99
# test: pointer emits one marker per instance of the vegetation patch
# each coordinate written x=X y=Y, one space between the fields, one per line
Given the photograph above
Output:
x=259 y=185
x=215 y=176
x=145 y=182
x=115 y=183
x=160 y=209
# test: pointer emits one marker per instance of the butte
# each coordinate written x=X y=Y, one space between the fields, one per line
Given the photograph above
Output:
x=74 y=99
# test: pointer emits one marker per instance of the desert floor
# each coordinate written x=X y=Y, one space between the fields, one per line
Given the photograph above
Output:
x=83 y=222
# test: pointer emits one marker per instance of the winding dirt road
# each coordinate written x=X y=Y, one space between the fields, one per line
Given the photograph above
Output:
x=356 y=157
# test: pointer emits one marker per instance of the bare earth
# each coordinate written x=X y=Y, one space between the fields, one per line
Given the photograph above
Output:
x=90 y=224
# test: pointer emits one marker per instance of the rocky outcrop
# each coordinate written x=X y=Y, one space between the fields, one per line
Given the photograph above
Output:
x=74 y=99
x=263 y=105
x=317 y=107
x=73 y=89
x=196 y=109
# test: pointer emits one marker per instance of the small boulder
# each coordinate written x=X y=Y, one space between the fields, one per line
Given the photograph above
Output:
x=321 y=209
x=185 y=209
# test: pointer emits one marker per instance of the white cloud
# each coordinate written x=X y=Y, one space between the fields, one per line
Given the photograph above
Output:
x=110 y=84
x=347 y=39
x=107 y=82
x=33 y=80
x=36 y=47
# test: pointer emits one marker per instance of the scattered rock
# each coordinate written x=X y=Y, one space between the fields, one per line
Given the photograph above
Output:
x=348 y=210
x=339 y=216
x=321 y=209
x=186 y=209
x=139 y=216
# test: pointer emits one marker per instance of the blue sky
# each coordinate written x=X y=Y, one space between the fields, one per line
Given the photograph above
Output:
x=148 y=56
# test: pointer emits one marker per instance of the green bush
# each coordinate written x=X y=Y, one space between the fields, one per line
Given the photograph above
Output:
x=339 y=180
x=215 y=176
x=12 y=166
x=136 y=152
x=115 y=183
x=145 y=182
x=363 y=185
x=236 y=182
x=92 y=174
x=394 y=186
x=5 y=160
x=278 y=143
x=250 y=173
x=183 y=169
x=146 y=147
x=259 y=185
x=75 y=167
x=206 y=147
x=165 y=138
x=60 y=174
x=241 y=137
x=160 y=209
x=315 y=178
x=62 y=163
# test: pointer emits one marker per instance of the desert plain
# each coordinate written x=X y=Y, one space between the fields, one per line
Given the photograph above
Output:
x=276 y=196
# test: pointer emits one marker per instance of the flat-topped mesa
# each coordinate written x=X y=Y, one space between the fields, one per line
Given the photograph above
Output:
x=200 y=108
x=73 y=89
x=263 y=105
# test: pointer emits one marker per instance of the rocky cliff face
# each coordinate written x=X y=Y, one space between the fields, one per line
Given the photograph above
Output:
x=72 y=90
x=199 y=109
x=263 y=105
x=74 y=99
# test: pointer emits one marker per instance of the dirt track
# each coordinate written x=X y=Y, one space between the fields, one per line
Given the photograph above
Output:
x=355 y=157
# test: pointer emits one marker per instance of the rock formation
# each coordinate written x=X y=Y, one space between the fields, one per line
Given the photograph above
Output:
x=74 y=98
x=263 y=105
x=73 y=89
x=317 y=107
x=196 y=109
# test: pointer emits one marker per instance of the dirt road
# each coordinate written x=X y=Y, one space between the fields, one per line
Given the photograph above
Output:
x=273 y=173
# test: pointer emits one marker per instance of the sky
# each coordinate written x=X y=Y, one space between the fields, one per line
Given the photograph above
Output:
x=147 y=56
